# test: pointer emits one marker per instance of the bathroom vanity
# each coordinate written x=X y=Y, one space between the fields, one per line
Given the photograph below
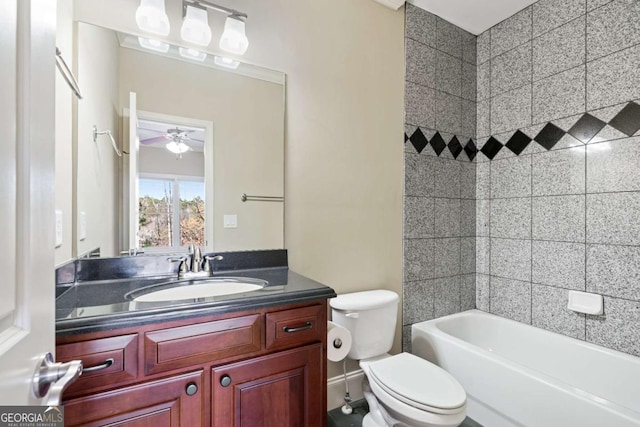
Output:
x=257 y=358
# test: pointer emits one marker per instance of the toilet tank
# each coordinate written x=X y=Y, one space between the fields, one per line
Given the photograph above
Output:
x=370 y=317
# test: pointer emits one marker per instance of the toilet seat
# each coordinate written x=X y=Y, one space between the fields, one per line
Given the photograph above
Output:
x=418 y=383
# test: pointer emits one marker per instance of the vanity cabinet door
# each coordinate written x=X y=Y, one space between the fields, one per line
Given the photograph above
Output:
x=172 y=402
x=278 y=390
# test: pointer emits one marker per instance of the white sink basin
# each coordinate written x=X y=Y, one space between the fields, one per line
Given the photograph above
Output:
x=200 y=289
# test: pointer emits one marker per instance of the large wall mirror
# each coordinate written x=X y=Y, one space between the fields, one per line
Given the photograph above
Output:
x=191 y=137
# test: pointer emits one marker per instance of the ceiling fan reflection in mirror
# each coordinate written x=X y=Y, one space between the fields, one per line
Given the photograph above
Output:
x=178 y=139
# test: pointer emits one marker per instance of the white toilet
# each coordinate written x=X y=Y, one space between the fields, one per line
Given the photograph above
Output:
x=401 y=390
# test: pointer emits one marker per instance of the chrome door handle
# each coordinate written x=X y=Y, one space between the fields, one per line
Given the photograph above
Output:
x=53 y=378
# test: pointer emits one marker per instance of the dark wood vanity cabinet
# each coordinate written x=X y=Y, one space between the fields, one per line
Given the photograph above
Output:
x=253 y=368
x=174 y=401
x=281 y=389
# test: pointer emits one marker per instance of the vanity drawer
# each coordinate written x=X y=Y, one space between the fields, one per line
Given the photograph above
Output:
x=184 y=346
x=295 y=326
x=115 y=358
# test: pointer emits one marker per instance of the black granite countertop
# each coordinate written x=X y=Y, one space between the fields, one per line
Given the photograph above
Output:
x=102 y=304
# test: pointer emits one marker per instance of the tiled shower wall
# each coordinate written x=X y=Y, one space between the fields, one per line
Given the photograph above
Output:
x=440 y=127
x=556 y=183
x=558 y=172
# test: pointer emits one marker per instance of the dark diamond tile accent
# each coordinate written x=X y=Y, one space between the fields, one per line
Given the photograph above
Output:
x=438 y=143
x=455 y=147
x=586 y=128
x=406 y=138
x=491 y=148
x=418 y=140
x=471 y=149
x=627 y=120
x=549 y=136
x=518 y=142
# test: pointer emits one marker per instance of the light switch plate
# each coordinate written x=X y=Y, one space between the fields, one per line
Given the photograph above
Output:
x=83 y=225
x=58 y=228
x=230 y=221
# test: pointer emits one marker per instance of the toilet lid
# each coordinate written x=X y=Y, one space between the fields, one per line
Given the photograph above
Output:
x=418 y=382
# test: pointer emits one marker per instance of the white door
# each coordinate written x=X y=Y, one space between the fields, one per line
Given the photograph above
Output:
x=27 y=302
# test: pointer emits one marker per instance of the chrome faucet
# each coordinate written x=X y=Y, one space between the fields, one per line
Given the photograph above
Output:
x=194 y=265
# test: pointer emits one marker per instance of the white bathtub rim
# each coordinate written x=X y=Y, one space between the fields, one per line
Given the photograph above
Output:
x=430 y=327
x=582 y=343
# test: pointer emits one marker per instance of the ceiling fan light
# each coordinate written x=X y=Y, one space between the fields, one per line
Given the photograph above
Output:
x=226 y=62
x=195 y=27
x=192 y=54
x=177 y=147
x=152 y=17
x=153 y=44
x=234 y=39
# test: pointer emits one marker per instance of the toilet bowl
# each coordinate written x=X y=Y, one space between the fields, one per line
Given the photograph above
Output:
x=413 y=392
x=401 y=390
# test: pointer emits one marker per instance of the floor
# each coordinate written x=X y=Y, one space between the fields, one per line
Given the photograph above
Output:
x=336 y=418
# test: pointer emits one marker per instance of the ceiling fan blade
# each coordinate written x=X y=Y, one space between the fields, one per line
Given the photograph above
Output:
x=149 y=141
x=151 y=130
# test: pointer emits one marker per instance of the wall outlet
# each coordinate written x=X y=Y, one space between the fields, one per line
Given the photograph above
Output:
x=83 y=225
x=230 y=221
x=58 y=228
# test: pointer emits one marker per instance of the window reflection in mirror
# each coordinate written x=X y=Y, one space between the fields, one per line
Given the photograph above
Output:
x=172 y=212
x=171 y=186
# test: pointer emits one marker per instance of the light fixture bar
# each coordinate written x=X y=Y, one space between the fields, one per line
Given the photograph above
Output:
x=213 y=6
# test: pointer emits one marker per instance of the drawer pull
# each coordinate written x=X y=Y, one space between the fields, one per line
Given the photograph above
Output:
x=100 y=367
x=192 y=388
x=225 y=381
x=306 y=326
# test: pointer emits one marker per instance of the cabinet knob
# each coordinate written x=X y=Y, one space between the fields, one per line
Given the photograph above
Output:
x=191 y=389
x=225 y=381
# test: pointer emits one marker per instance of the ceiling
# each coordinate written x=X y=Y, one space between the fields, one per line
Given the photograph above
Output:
x=475 y=16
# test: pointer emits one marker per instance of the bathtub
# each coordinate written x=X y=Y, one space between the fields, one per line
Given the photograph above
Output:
x=518 y=375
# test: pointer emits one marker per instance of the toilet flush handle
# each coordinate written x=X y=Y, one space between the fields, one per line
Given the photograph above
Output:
x=353 y=314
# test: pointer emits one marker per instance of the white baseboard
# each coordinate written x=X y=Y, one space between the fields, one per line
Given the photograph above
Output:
x=336 y=388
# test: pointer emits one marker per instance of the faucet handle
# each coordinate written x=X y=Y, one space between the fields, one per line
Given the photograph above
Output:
x=182 y=268
x=207 y=265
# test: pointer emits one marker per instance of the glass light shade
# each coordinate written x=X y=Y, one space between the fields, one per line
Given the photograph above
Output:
x=194 y=54
x=226 y=62
x=177 y=147
x=195 y=27
x=233 y=38
x=151 y=17
x=153 y=44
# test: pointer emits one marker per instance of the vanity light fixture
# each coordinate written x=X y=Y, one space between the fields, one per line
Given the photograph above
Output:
x=195 y=26
x=194 y=54
x=226 y=62
x=152 y=17
x=233 y=40
x=153 y=44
